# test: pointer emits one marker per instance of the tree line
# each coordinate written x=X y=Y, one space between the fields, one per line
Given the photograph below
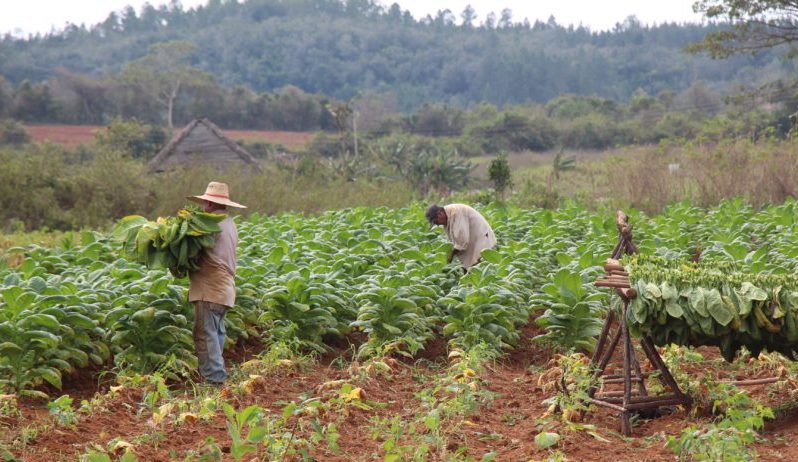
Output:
x=253 y=53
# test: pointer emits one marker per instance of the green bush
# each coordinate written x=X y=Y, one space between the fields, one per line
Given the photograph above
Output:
x=261 y=149
x=534 y=194
x=675 y=126
x=46 y=186
x=514 y=131
x=436 y=120
x=500 y=174
x=568 y=106
x=137 y=140
x=13 y=132
x=330 y=145
x=592 y=131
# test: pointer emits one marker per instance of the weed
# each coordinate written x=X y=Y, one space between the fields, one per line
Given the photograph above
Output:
x=209 y=452
x=9 y=407
x=281 y=436
x=727 y=438
x=511 y=419
x=572 y=377
x=245 y=428
x=392 y=433
x=61 y=409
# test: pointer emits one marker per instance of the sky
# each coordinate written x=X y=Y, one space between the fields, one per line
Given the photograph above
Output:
x=23 y=17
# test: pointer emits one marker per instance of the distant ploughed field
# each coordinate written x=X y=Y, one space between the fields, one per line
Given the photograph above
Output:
x=74 y=135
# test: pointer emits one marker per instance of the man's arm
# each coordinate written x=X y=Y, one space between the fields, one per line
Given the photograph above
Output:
x=459 y=235
x=454 y=253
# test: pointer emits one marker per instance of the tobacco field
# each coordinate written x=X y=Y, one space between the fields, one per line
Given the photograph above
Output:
x=353 y=339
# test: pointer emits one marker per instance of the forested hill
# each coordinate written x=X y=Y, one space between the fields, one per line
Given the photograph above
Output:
x=339 y=49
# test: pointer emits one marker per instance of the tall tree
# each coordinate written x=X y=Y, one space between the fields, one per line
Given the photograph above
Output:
x=33 y=102
x=506 y=19
x=5 y=97
x=163 y=73
x=89 y=94
x=490 y=21
x=469 y=15
x=756 y=25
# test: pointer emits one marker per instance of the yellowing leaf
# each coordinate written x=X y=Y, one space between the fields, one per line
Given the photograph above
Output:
x=469 y=423
x=121 y=446
x=187 y=417
x=251 y=364
x=251 y=385
x=356 y=393
x=161 y=413
x=469 y=372
x=330 y=385
x=598 y=437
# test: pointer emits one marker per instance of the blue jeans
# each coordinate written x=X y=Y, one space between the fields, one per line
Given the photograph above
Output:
x=209 y=340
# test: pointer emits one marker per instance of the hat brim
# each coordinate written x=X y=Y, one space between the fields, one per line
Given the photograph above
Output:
x=215 y=200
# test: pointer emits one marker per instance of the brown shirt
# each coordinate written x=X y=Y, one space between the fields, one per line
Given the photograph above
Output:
x=215 y=280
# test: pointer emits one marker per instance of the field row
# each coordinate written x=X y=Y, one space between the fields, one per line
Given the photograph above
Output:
x=306 y=280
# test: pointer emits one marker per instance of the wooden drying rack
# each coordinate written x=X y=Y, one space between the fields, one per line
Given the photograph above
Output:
x=629 y=399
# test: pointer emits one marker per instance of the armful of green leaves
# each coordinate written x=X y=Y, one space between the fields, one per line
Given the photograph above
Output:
x=174 y=242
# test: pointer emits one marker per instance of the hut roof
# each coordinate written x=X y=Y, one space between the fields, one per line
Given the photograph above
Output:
x=201 y=141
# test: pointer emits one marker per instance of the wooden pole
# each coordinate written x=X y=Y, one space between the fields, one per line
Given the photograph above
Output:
x=629 y=399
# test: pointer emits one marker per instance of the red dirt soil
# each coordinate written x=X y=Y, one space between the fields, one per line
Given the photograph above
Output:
x=74 y=135
x=69 y=136
x=505 y=424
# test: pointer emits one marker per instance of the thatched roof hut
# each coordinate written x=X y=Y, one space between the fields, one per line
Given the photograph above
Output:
x=201 y=142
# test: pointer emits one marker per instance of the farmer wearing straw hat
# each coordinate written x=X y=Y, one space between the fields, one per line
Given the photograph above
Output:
x=212 y=287
x=466 y=228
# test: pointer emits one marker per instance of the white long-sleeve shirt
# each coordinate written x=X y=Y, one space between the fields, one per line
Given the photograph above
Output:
x=469 y=232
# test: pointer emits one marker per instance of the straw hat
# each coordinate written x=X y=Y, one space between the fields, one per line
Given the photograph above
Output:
x=217 y=193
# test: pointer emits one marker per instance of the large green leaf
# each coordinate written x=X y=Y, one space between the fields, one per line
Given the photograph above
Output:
x=716 y=308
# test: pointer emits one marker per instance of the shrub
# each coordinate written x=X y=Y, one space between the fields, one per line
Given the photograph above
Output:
x=137 y=140
x=534 y=194
x=499 y=173
x=437 y=120
x=590 y=132
x=46 y=186
x=330 y=145
x=514 y=131
x=569 y=106
x=13 y=132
